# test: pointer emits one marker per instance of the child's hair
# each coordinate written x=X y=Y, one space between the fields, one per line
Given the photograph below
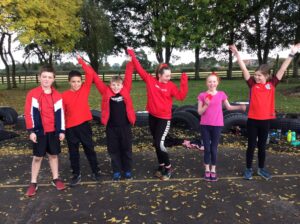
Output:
x=116 y=78
x=214 y=74
x=74 y=73
x=264 y=69
x=47 y=68
x=161 y=69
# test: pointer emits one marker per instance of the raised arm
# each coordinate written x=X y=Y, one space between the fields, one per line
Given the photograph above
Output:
x=242 y=65
x=140 y=70
x=287 y=61
x=128 y=75
x=181 y=93
x=87 y=72
x=90 y=72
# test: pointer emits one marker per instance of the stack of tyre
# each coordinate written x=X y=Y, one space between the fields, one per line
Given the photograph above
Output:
x=8 y=116
x=187 y=117
x=235 y=120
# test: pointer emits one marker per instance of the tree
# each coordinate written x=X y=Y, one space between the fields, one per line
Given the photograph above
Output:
x=5 y=22
x=264 y=31
x=145 y=23
x=97 y=40
x=228 y=18
x=289 y=16
x=195 y=22
x=51 y=27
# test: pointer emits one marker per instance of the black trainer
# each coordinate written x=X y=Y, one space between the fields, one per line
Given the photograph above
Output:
x=75 y=180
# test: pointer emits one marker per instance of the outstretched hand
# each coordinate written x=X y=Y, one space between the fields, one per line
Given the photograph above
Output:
x=184 y=76
x=130 y=52
x=233 y=49
x=79 y=59
x=295 y=49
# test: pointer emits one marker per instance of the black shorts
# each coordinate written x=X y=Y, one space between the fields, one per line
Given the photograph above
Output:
x=48 y=143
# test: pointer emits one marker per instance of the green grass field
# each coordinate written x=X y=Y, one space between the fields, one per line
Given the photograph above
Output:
x=236 y=90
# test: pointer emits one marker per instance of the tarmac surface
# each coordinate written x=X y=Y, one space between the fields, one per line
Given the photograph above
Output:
x=185 y=198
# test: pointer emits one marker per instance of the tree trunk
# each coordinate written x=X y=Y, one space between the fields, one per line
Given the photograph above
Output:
x=197 y=63
x=168 y=54
x=229 y=71
x=297 y=57
x=4 y=61
x=13 y=68
x=93 y=57
x=258 y=34
x=296 y=65
x=268 y=32
x=159 y=56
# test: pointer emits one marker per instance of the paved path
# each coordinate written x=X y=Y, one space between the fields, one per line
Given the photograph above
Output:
x=186 y=198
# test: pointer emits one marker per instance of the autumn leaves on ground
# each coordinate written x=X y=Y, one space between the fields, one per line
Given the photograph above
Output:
x=186 y=198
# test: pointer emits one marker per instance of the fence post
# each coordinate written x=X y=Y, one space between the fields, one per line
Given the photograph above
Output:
x=103 y=76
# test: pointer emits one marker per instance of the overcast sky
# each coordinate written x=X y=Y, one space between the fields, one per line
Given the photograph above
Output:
x=180 y=56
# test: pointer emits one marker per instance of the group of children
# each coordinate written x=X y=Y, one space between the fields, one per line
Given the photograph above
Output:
x=51 y=116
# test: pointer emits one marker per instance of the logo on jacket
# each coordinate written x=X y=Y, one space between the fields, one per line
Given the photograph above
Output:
x=117 y=99
x=268 y=86
x=158 y=87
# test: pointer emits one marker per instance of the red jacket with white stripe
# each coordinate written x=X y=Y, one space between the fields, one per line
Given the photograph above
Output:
x=160 y=95
x=107 y=93
x=33 y=118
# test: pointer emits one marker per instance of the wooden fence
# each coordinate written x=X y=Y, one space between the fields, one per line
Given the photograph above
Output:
x=62 y=76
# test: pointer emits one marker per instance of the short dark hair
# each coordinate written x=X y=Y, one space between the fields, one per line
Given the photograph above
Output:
x=74 y=73
x=47 y=68
x=116 y=78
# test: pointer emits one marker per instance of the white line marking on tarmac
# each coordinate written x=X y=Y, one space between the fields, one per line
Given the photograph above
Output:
x=150 y=180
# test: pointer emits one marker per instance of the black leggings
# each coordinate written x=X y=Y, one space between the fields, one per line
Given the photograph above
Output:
x=159 y=129
x=257 y=131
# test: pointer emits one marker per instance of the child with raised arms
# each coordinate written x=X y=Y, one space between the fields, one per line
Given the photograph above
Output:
x=160 y=93
x=118 y=115
x=261 y=109
x=78 y=129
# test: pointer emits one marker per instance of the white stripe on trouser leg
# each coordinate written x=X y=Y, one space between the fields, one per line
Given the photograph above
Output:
x=163 y=137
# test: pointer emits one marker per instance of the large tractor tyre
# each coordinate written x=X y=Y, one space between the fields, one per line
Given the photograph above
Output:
x=96 y=115
x=142 y=118
x=233 y=120
x=185 y=120
x=8 y=115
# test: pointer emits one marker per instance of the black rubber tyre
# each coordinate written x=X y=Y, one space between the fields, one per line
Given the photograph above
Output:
x=234 y=119
x=142 y=118
x=7 y=135
x=286 y=124
x=184 y=108
x=193 y=111
x=1 y=126
x=8 y=115
x=96 y=115
x=174 y=107
x=185 y=120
